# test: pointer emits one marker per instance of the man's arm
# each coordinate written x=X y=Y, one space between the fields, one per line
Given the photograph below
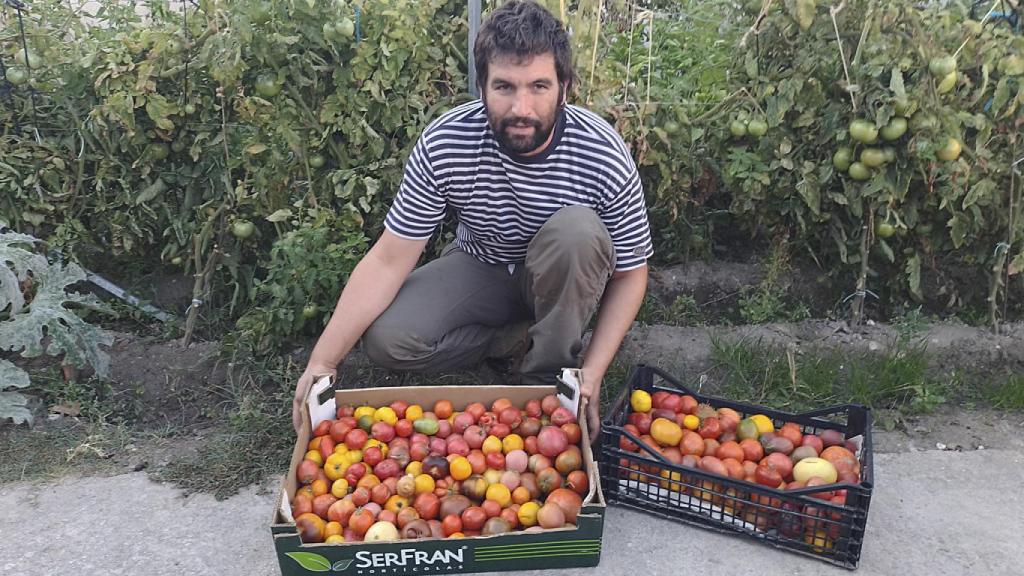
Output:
x=621 y=301
x=370 y=290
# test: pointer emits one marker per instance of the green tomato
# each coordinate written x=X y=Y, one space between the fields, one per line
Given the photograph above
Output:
x=941 y=66
x=32 y=61
x=177 y=261
x=179 y=144
x=1011 y=65
x=894 y=129
x=842 y=159
x=317 y=161
x=242 y=229
x=884 y=230
x=309 y=311
x=738 y=128
x=948 y=83
x=260 y=13
x=671 y=127
x=190 y=109
x=159 y=150
x=17 y=76
x=950 y=151
x=890 y=154
x=859 y=171
x=922 y=121
x=863 y=131
x=902 y=106
x=757 y=127
x=267 y=86
x=872 y=157
x=345 y=27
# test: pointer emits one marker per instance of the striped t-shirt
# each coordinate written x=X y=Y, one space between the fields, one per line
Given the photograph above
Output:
x=501 y=199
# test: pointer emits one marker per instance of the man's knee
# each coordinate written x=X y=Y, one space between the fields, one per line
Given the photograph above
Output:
x=394 y=348
x=574 y=235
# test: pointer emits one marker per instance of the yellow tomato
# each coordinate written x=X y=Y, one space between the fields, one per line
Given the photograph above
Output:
x=364 y=411
x=691 y=422
x=499 y=493
x=764 y=423
x=415 y=468
x=414 y=412
x=315 y=456
x=528 y=514
x=460 y=468
x=334 y=539
x=336 y=466
x=396 y=503
x=666 y=432
x=340 y=448
x=340 y=488
x=354 y=456
x=512 y=442
x=424 y=483
x=385 y=414
x=491 y=444
x=640 y=401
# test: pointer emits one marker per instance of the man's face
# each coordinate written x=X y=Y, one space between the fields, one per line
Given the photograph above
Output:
x=522 y=99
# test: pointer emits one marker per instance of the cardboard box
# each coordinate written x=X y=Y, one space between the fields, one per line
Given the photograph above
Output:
x=548 y=549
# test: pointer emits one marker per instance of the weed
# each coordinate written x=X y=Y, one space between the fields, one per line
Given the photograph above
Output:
x=683 y=311
x=1007 y=395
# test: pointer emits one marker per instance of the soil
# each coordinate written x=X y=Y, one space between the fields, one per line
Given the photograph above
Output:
x=174 y=383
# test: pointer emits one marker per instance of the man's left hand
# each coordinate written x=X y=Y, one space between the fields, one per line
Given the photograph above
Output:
x=592 y=392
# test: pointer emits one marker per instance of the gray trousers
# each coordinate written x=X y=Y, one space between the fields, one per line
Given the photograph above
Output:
x=449 y=310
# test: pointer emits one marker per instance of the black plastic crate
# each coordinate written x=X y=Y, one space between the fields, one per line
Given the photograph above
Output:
x=791 y=519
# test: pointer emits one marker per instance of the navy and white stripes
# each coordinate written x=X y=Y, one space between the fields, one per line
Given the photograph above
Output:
x=502 y=199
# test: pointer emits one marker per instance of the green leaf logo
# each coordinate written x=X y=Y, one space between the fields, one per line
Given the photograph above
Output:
x=310 y=561
x=341 y=565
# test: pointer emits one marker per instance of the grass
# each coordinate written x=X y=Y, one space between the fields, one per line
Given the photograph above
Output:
x=683 y=311
x=60 y=448
x=255 y=439
x=784 y=379
x=1006 y=395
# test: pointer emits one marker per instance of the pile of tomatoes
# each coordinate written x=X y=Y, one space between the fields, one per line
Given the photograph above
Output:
x=750 y=449
x=402 y=471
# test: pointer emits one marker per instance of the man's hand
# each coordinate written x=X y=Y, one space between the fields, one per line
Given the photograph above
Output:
x=311 y=374
x=592 y=392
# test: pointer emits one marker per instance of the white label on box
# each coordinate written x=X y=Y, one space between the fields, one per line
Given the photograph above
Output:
x=319 y=412
x=571 y=377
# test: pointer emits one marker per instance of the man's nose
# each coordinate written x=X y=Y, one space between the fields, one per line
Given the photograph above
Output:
x=522 y=107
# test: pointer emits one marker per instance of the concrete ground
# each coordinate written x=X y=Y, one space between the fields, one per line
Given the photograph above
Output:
x=933 y=513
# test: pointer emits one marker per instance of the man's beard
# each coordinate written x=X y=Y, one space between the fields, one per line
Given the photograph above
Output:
x=522 y=143
x=525 y=143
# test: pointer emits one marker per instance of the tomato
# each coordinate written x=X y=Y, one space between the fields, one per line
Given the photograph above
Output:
x=260 y=13
x=177 y=261
x=950 y=151
x=309 y=311
x=31 y=61
x=671 y=127
x=894 y=129
x=884 y=230
x=267 y=86
x=738 y=128
x=345 y=27
x=17 y=76
x=863 y=131
x=242 y=229
x=872 y=157
x=947 y=83
x=159 y=151
x=859 y=171
x=942 y=66
x=842 y=158
x=757 y=127
x=190 y=109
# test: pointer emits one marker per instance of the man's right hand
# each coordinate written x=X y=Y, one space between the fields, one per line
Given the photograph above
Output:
x=312 y=373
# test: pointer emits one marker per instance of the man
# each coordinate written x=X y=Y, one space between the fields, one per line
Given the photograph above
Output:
x=552 y=225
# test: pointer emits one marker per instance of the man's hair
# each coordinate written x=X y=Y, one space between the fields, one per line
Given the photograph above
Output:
x=522 y=29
